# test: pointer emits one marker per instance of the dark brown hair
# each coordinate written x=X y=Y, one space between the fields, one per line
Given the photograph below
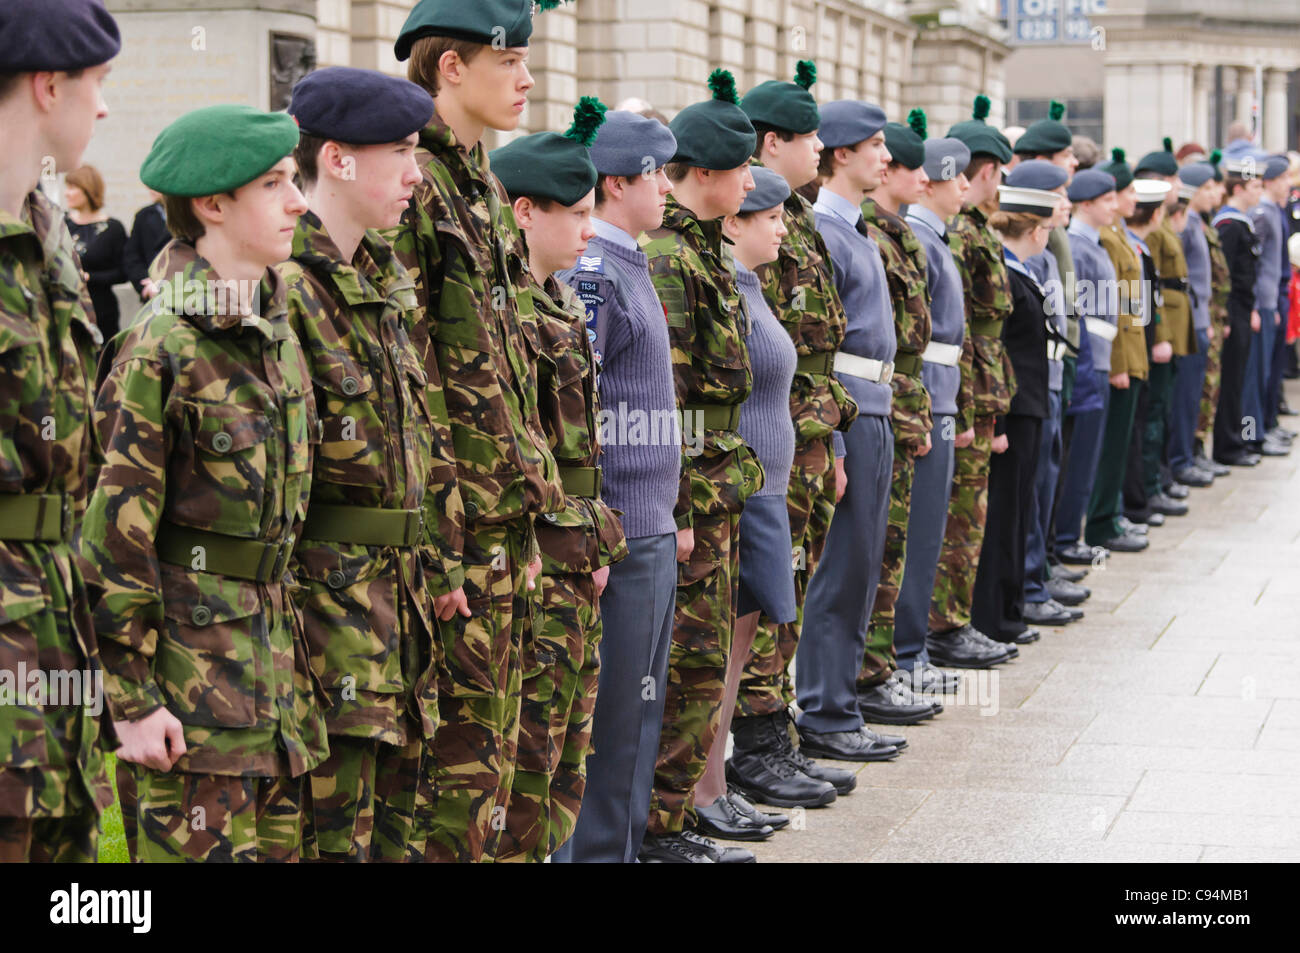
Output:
x=1015 y=224
x=601 y=196
x=427 y=51
x=762 y=128
x=181 y=220
x=305 y=155
x=979 y=162
x=1142 y=215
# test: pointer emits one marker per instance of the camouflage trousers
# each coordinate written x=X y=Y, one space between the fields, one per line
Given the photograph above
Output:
x=954 y=583
x=469 y=765
x=217 y=818
x=765 y=684
x=879 y=660
x=72 y=839
x=362 y=804
x=561 y=667
x=703 y=624
x=1210 y=390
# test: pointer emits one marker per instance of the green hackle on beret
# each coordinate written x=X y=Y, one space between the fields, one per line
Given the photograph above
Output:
x=805 y=73
x=217 y=149
x=1056 y=111
x=918 y=123
x=1167 y=144
x=723 y=86
x=1117 y=155
x=979 y=136
x=981 y=108
x=588 y=117
x=1216 y=156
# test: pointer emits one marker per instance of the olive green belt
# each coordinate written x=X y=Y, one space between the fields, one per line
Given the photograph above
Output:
x=815 y=363
x=715 y=416
x=986 y=327
x=581 y=481
x=203 y=551
x=362 y=525
x=35 y=517
x=907 y=362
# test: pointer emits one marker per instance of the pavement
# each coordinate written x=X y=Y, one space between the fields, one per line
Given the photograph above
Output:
x=1164 y=726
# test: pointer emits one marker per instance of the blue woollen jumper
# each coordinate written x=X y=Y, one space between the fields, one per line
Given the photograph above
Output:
x=765 y=422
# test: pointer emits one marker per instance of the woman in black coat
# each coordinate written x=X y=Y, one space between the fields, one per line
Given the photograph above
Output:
x=100 y=243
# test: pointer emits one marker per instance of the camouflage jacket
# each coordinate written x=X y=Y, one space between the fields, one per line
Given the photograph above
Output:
x=988 y=382
x=909 y=289
x=800 y=289
x=1220 y=279
x=1128 y=352
x=206 y=418
x=586 y=534
x=51 y=765
x=460 y=242
x=707 y=326
x=366 y=610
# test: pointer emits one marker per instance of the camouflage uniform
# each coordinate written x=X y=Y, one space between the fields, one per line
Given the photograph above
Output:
x=799 y=288
x=366 y=609
x=52 y=778
x=909 y=291
x=460 y=240
x=560 y=663
x=1220 y=287
x=988 y=384
x=206 y=419
x=707 y=324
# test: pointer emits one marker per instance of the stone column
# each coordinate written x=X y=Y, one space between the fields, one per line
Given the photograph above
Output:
x=1201 y=80
x=1274 y=112
x=177 y=56
x=1245 y=93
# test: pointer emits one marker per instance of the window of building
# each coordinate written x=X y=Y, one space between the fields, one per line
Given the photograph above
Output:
x=1083 y=116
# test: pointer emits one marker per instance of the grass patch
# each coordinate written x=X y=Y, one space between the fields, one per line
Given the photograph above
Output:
x=112 y=841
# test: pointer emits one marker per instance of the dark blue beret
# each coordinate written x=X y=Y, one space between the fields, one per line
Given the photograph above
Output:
x=945 y=159
x=846 y=122
x=359 y=106
x=1275 y=166
x=770 y=190
x=1037 y=174
x=1196 y=174
x=54 y=35
x=630 y=144
x=1089 y=184
x=503 y=22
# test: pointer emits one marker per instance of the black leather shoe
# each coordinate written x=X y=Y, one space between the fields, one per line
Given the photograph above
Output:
x=890 y=704
x=1127 y=543
x=676 y=849
x=721 y=855
x=1281 y=434
x=954 y=649
x=1274 y=448
x=841 y=780
x=1057 y=570
x=1213 y=466
x=1283 y=408
x=902 y=681
x=1077 y=553
x=898 y=741
x=930 y=682
x=1177 y=491
x=721 y=820
x=1160 y=503
x=844 y=746
x=1046 y=613
x=762 y=766
x=1240 y=459
x=1024 y=637
x=1067 y=593
x=747 y=810
x=1156 y=519
x=1194 y=476
x=1131 y=528
x=976 y=637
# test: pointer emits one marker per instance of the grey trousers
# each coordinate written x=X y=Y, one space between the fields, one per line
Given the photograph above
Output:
x=637 y=613
x=840 y=595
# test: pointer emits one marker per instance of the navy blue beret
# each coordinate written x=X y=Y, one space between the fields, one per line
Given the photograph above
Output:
x=1196 y=174
x=359 y=106
x=631 y=144
x=770 y=190
x=945 y=158
x=846 y=122
x=1037 y=174
x=1089 y=184
x=1275 y=166
x=56 y=35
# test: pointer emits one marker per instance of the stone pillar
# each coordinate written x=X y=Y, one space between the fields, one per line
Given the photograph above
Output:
x=180 y=56
x=1274 y=112
x=1201 y=80
x=1245 y=94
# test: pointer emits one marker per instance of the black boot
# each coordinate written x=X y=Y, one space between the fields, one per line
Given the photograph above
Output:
x=761 y=769
x=843 y=781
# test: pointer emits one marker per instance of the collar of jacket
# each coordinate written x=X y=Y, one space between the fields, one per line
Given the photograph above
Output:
x=180 y=266
x=704 y=234
x=468 y=167
x=41 y=222
x=366 y=278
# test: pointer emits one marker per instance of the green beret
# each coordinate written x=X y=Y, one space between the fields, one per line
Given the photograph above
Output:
x=504 y=22
x=1119 y=168
x=907 y=143
x=979 y=136
x=217 y=149
x=1161 y=162
x=547 y=165
x=787 y=106
x=1047 y=136
x=715 y=134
